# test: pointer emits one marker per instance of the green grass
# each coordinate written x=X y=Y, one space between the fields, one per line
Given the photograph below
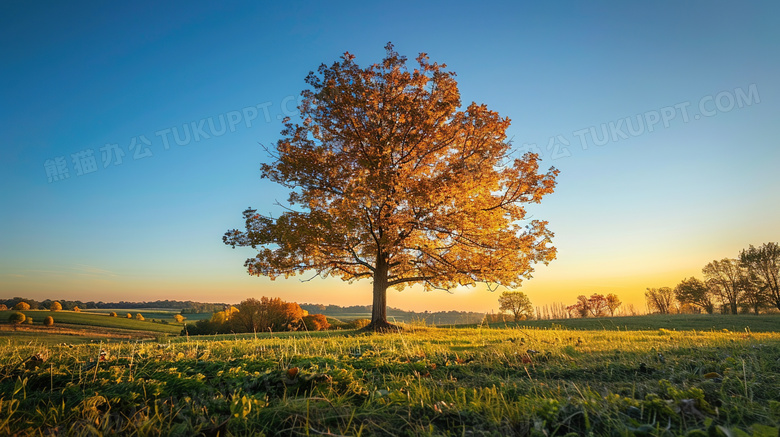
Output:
x=152 y=313
x=423 y=381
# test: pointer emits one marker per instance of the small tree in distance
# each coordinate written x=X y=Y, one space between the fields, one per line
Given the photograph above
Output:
x=598 y=305
x=392 y=180
x=517 y=303
x=129 y=316
x=139 y=316
x=55 y=306
x=22 y=306
x=48 y=321
x=112 y=314
x=763 y=264
x=726 y=279
x=613 y=303
x=179 y=318
x=660 y=300
x=579 y=309
x=695 y=292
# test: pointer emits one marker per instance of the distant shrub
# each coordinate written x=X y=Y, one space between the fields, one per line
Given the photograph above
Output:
x=139 y=316
x=3 y=307
x=48 y=321
x=357 y=324
x=76 y=309
x=112 y=314
x=55 y=306
x=16 y=318
x=129 y=316
x=28 y=320
x=22 y=306
x=179 y=318
x=315 y=322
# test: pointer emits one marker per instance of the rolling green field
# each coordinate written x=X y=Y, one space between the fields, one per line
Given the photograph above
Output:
x=83 y=327
x=520 y=380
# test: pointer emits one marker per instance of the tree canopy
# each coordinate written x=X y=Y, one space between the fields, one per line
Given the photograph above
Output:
x=392 y=181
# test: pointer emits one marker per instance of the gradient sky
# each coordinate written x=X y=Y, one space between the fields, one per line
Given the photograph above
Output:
x=663 y=117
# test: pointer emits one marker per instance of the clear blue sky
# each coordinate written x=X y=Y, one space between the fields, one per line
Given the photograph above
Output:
x=663 y=118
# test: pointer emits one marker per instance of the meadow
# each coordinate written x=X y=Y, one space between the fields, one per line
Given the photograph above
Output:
x=475 y=380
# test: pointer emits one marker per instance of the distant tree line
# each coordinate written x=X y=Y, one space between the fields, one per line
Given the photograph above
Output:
x=749 y=283
x=186 y=307
x=597 y=305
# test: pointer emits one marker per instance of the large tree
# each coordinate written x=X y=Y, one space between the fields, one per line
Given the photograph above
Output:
x=391 y=180
x=763 y=264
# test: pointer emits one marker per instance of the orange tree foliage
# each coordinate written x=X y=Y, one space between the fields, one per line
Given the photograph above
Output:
x=267 y=314
x=391 y=179
x=315 y=322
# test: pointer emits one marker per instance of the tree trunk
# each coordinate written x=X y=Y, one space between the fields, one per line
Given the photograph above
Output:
x=379 y=321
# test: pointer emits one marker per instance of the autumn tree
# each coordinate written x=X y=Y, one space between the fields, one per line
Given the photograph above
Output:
x=315 y=322
x=55 y=306
x=391 y=180
x=695 y=292
x=613 y=303
x=266 y=314
x=581 y=308
x=763 y=265
x=598 y=305
x=178 y=318
x=517 y=303
x=727 y=279
x=139 y=316
x=660 y=300
x=22 y=306
x=112 y=314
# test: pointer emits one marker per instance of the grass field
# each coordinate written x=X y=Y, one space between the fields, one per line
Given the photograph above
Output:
x=698 y=322
x=81 y=327
x=472 y=381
